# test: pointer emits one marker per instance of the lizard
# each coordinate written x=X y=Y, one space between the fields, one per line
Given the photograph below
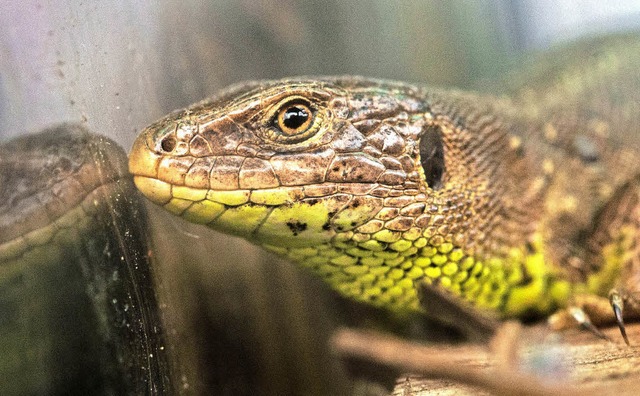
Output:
x=75 y=318
x=521 y=203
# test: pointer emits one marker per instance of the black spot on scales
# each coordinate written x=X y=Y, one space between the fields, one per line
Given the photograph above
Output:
x=530 y=248
x=296 y=227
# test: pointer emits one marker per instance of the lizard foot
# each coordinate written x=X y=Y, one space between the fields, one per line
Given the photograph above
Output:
x=617 y=303
x=584 y=311
x=624 y=304
x=614 y=247
x=582 y=318
x=590 y=311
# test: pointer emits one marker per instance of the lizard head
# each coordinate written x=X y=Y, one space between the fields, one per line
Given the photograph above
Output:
x=289 y=161
x=342 y=174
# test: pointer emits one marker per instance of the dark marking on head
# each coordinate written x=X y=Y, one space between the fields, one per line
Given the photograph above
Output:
x=432 y=157
x=296 y=227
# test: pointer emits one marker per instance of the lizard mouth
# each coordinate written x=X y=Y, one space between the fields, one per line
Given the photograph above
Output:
x=244 y=203
x=295 y=216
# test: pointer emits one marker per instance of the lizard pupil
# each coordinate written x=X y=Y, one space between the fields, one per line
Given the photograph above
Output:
x=295 y=120
x=432 y=158
x=294 y=117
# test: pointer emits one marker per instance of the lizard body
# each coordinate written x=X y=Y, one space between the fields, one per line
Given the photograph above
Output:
x=516 y=203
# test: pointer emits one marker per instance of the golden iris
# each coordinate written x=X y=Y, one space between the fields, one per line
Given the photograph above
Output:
x=294 y=118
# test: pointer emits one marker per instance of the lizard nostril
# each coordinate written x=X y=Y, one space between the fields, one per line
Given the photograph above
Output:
x=168 y=144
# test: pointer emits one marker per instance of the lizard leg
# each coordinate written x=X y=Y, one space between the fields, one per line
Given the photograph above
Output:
x=617 y=242
x=617 y=303
x=625 y=296
x=614 y=253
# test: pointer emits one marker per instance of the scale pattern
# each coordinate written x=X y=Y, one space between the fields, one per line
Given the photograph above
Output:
x=392 y=184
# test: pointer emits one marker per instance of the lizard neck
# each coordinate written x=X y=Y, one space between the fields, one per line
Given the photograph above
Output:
x=479 y=236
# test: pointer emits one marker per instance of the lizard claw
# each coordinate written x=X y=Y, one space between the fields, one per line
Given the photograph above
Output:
x=617 y=303
x=583 y=320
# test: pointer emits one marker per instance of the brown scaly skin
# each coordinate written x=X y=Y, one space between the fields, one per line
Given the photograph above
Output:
x=75 y=318
x=519 y=203
x=48 y=176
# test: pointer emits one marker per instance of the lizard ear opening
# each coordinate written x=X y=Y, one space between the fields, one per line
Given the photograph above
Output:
x=432 y=157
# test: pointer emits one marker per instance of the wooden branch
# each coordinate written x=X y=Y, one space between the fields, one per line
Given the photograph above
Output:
x=496 y=369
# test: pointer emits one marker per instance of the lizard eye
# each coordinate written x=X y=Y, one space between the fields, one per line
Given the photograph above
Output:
x=432 y=158
x=293 y=120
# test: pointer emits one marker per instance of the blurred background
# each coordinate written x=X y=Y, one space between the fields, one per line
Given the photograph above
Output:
x=118 y=66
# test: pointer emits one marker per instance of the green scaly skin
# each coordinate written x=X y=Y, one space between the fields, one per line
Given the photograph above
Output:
x=511 y=202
